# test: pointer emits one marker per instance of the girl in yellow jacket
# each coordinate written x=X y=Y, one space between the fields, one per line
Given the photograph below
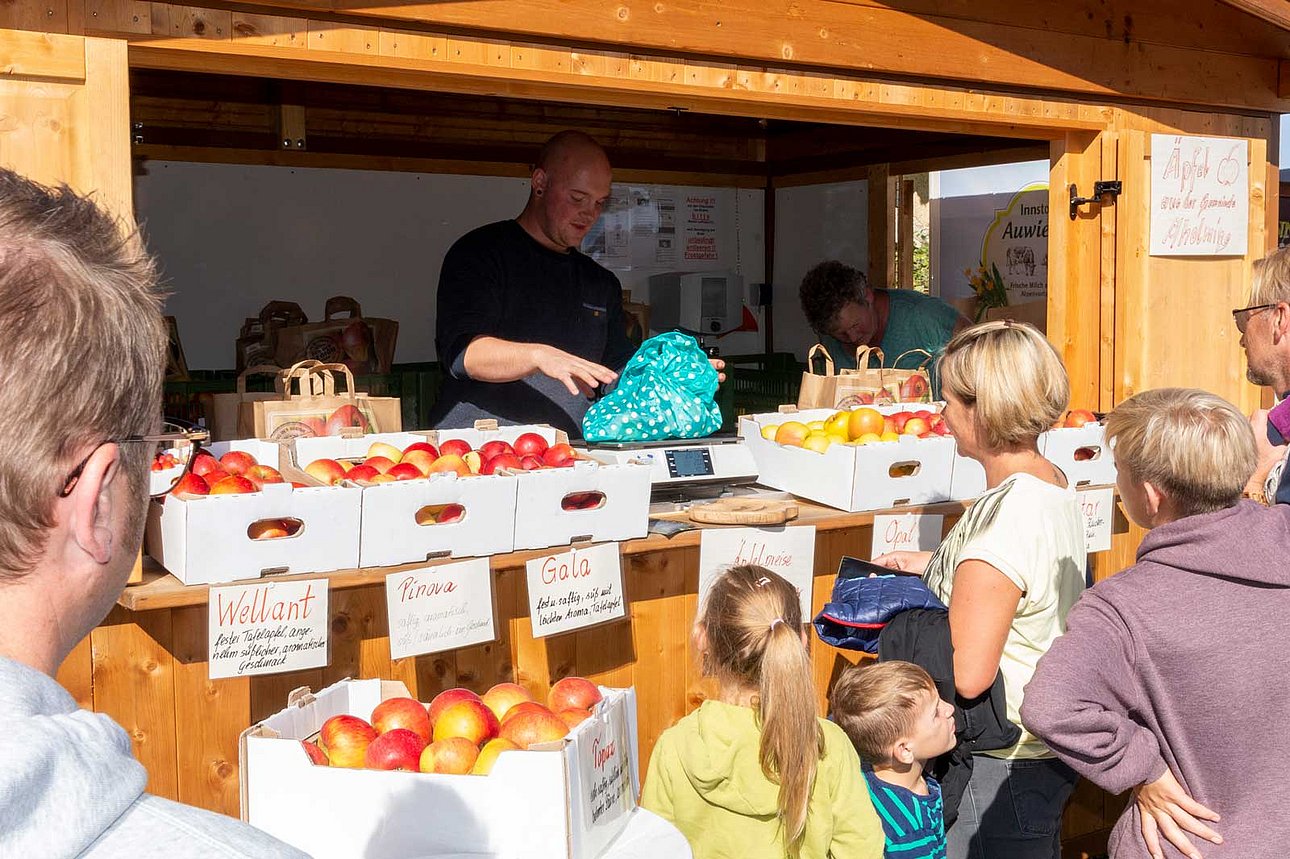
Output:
x=755 y=773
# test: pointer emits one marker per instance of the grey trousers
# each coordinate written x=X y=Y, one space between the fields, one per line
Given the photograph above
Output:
x=1012 y=810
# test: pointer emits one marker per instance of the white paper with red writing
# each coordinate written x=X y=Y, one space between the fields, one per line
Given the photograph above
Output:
x=907 y=532
x=604 y=779
x=1098 y=507
x=267 y=628
x=440 y=608
x=574 y=589
x=788 y=551
x=1200 y=195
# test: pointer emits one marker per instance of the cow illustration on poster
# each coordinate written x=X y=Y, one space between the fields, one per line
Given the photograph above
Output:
x=1016 y=245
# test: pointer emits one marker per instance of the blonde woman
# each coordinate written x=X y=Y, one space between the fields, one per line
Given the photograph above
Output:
x=755 y=773
x=1009 y=570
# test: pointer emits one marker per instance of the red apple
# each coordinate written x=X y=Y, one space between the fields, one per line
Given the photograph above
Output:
x=450 y=462
x=898 y=420
x=346 y=417
x=316 y=755
x=233 y=486
x=362 y=474
x=450 y=513
x=529 y=728
x=505 y=460
x=454 y=446
x=1079 y=417
x=398 y=749
x=237 y=462
x=204 y=464
x=493 y=448
x=453 y=756
x=525 y=707
x=421 y=445
x=267 y=529
x=574 y=718
x=503 y=697
x=421 y=459
x=381 y=463
x=328 y=472
x=405 y=471
x=469 y=719
x=190 y=486
x=531 y=463
x=446 y=699
x=573 y=693
x=345 y=740
x=915 y=426
x=558 y=455
x=402 y=713
x=262 y=474
x=530 y=444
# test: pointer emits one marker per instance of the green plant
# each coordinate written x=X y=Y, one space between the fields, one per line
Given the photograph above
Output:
x=989 y=288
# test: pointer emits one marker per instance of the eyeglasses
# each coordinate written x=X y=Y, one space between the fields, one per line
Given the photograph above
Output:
x=1243 y=316
x=162 y=459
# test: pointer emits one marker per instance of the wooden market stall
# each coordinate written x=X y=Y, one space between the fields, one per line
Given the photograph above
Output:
x=89 y=86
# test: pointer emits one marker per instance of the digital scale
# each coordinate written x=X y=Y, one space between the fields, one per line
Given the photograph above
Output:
x=687 y=468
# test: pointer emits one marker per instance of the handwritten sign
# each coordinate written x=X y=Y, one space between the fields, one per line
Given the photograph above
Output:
x=1200 y=196
x=267 y=628
x=605 y=767
x=1098 y=507
x=439 y=608
x=581 y=587
x=788 y=551
x=908 y=532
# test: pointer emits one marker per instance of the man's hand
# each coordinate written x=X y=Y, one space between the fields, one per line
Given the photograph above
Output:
x=1269 y=454
x=577 y=374
x=718 y=365
x=912 y=563
x=1166 y=809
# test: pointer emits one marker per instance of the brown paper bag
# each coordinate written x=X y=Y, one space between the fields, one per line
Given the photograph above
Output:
x=305 y=409
x=365 y=345
x=258 y=341
x=864 y=385
x=221 y=411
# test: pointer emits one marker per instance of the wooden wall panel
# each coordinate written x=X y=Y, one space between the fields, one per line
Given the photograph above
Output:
x=76 y=674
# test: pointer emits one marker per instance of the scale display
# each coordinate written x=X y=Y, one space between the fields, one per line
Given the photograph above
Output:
x=689 y=462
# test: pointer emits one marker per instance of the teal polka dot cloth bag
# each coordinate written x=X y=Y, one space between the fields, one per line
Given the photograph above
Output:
x=666 y=391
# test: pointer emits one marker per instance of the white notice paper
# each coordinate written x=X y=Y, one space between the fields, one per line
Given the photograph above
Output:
x=440 y=608
x=907 y=532
x=1098 y=507
x=581 y=587
x=1200 y=196
x=267 y=628
x=788 y=551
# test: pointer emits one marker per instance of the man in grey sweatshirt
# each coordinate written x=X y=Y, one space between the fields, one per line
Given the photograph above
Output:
x=1171 y=678
x=82 y=354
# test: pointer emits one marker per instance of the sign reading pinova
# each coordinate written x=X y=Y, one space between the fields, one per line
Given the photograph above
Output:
x=788 y=551
x=907 y=532
x=577 y=588
x=1098 y=507
x=267 y=628
x=1200 y=196
x=440 y=608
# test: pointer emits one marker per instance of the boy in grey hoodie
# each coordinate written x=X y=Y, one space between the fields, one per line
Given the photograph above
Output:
x=81 y=363
x=1171 y=678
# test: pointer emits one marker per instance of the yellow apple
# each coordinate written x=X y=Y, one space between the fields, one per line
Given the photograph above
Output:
x=817 y=441
x=768 y=431
x=389 y=451
x=837 y=424
x=791 y=433
x=869 y=438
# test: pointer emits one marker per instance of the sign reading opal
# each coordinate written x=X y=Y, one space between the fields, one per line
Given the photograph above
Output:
x=267 y=628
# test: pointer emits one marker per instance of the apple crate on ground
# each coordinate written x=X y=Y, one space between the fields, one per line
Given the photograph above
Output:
x=563 y=799
x=873 y=476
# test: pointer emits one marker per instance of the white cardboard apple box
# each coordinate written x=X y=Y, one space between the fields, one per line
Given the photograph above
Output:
x=850 y=477
x=204 y=540
x=265 y=453
x=550 y=803
x=1059 y=446
x=622 y=512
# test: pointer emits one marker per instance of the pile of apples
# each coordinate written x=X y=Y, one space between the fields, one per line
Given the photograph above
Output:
x=385 y=463
x=855 y=427
x=459 y=733
x=234 y=473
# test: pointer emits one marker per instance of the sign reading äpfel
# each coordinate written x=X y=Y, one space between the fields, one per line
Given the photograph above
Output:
x=267 y=628
x=574 y=589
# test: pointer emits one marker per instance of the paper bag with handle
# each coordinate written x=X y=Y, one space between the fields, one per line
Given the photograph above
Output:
x=309 y=407
x=345 y=336
x=257 y=343
x=221 y=411
x=865 y=385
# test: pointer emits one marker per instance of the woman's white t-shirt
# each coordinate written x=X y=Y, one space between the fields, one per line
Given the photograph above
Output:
x=1033 y=533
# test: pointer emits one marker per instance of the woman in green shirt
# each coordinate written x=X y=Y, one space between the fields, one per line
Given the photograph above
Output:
x=847 y=314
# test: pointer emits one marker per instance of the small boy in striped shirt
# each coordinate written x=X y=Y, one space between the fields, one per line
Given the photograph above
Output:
x=898 y=722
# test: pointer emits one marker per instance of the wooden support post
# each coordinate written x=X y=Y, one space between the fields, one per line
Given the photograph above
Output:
x=291 y=126
x=882 y=227
x=905 y=233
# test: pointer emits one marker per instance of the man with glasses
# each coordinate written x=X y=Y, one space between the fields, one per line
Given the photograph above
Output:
x=82 y=356
x=1264 y=325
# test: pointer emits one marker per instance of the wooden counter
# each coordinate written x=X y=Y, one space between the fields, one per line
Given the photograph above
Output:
x=146 y=665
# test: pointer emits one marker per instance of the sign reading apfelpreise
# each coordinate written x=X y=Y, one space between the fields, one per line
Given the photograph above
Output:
x=574 y=589
x=788 y=551
x=440 y=608
x=267 y=628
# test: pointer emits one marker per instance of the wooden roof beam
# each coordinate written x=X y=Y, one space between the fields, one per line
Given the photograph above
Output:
x=1274 y=11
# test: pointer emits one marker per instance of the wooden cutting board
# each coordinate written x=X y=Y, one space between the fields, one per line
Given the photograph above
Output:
x=743 y=511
